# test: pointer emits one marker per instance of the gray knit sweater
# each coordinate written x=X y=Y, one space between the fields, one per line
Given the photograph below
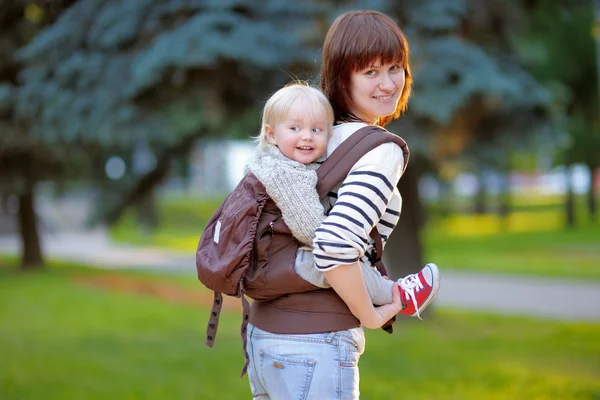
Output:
x=292 y=186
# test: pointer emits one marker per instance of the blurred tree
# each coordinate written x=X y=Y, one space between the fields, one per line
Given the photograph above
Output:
x=110 y=75
x=24 y=160
x=565 y=60
x=468 y=89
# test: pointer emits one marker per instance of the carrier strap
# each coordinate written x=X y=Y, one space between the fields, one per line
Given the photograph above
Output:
x=213 y=322
x=244 y=329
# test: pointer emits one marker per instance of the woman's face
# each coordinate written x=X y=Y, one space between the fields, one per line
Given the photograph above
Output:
x=375 y=91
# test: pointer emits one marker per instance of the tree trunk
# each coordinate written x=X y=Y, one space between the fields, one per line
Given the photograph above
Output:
x=569 y=200
x=147 y=213
x=481 y=196
x=404 y=251
x=446 y=199
x=31 y=252
x=591 y=195
x=504 y=205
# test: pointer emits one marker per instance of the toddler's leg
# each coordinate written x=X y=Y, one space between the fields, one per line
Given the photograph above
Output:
x=379 y=288
x=305 y=267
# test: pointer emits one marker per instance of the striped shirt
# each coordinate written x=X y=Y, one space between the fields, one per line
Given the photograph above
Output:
x=368 y=197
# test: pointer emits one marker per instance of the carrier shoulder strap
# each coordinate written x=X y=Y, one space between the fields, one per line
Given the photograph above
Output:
x=340 y=162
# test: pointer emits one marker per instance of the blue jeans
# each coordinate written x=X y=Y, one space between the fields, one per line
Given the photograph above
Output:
x=298 y=367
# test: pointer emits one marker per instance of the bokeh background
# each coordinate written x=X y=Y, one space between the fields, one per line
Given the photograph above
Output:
x=124 y=123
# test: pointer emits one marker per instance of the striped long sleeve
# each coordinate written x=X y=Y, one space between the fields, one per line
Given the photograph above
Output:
x=368 y=197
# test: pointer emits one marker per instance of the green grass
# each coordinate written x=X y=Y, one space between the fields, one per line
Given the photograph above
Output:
x=64 y=340
x=181 y=223
x=562 y=253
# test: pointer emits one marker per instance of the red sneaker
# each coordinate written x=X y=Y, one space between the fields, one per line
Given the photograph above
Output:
x=418 y=290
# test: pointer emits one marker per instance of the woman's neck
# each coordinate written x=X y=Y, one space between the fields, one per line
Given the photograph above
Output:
x=360 y=117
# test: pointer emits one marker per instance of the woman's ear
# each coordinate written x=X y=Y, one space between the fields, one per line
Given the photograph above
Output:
x=270 y=134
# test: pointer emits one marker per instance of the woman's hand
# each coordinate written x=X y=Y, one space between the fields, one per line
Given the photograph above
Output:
x=387 y=311
x=348 y=282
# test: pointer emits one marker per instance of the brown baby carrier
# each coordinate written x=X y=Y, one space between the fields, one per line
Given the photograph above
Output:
x=246 y=248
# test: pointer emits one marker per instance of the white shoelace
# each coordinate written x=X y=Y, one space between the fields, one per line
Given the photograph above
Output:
x=409 y=284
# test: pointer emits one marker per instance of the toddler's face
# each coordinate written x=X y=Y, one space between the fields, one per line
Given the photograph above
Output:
x=302 y=135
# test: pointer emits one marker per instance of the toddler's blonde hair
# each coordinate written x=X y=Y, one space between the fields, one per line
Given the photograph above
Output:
x=280 y=102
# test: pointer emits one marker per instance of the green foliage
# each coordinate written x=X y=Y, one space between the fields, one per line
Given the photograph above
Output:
x=64 y=338
x=435 y=16
x=7 y=97
x=460 y=75
x=451 y=72
x=108 y=76
x=566 y=54
x=112 y=72
x=565 y=60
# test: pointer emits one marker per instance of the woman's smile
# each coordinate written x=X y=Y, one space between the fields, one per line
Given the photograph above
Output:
x=385 y=98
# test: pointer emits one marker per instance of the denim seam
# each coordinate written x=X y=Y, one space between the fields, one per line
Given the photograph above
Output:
x=339 y=370
x=292 y=338
x=287 y=360
x=308 y=380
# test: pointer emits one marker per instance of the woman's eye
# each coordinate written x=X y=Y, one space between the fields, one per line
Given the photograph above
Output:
x=370 y=72
x=395 y=68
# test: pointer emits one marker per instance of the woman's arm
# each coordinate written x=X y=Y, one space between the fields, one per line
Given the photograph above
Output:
x=348 y=282
x=342 y=239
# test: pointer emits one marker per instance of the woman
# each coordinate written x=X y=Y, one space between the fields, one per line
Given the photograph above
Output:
x=307 y=345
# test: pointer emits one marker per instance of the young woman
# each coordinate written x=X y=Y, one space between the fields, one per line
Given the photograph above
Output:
x=307 y=345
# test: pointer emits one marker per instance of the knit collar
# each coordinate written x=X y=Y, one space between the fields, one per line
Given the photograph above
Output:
x=270 y=154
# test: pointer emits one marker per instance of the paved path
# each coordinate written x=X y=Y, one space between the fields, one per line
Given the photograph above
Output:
x=543 y=297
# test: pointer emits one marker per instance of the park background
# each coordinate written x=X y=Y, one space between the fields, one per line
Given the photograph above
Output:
x=128 y=121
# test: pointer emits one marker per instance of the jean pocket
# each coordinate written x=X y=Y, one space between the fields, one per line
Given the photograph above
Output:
x=285 y=377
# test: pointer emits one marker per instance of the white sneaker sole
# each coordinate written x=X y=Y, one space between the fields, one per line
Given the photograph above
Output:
x=435 y=287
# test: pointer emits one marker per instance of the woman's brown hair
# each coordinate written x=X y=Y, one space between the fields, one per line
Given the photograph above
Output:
x=354 y=41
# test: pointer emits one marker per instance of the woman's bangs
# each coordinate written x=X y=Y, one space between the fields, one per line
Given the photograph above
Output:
x=377 y=45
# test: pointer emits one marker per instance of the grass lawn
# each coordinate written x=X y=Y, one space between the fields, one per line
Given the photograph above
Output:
x=535 y=243
x=560 y=253
x=77 y=333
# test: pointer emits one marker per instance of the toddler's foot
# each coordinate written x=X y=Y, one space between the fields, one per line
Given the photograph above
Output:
x=418 y=290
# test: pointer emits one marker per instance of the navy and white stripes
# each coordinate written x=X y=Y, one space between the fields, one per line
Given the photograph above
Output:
x=367 y=197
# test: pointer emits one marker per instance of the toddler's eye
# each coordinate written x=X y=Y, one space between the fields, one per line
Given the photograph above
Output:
x=317 y=130
x=295 y=129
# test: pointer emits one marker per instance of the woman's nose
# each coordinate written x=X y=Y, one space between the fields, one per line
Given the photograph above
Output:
x=386 y=83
